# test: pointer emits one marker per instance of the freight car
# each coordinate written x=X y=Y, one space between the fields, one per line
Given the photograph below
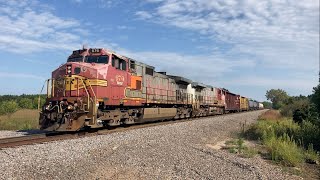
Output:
x=253 y=105
x=261 y=106
x=244 y=104
x=232 y=102
x=99 y=88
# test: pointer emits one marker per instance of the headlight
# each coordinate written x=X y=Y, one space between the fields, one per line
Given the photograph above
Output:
x=70 y=107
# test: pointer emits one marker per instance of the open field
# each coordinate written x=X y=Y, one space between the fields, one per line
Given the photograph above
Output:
x=24 y=119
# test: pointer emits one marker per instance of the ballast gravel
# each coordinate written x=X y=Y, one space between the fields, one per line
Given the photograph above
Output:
x=8 y=134
x=173 y=151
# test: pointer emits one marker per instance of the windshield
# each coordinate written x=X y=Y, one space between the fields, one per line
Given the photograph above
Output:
x=75 y=59
x=97 y=59
x=91 y=59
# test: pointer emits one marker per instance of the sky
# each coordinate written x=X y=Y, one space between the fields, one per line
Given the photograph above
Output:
x=246 y=46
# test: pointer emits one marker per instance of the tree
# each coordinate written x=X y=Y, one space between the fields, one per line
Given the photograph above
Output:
x=25 y=103
x=295 y=104
x=315 y=97
x=267 y=105
x=8 y=107
x=278 y=97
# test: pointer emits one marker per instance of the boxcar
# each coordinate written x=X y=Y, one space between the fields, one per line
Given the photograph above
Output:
x=232 y=102
x=244 y=105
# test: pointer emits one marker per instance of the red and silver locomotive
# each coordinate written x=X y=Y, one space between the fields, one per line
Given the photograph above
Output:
x=98 y=88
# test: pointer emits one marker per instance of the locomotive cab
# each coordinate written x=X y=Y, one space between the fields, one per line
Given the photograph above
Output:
x=79 y=87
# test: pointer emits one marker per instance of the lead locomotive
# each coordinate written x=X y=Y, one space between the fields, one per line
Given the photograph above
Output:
x=98 y=88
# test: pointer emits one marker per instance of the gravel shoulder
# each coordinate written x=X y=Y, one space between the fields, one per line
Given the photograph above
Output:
x=174 y=151
x=8 y=134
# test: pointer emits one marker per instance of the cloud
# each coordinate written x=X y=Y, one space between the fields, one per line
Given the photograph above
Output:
x=270 y=82
x=277 y=41
x=20 y=76
x=143 y=15
x=276 y=33
x=29 y=26
x=100 y=3
x=77 y=1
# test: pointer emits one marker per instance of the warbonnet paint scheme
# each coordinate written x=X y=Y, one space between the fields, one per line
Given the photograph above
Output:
x=97 y=88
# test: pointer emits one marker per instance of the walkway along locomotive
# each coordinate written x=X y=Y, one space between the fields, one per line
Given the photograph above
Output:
x=97 y=88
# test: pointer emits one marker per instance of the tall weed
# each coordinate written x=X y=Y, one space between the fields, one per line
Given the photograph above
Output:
x=284 y=150
x=287 y=142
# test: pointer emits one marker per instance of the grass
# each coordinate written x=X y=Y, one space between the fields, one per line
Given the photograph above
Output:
x=238 y=147
x=284 y=150
x=271 y=115
x=284 y=140
x=24 y=119
x=311 y=156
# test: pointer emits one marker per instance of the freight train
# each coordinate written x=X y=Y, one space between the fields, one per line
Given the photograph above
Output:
x=98 y=88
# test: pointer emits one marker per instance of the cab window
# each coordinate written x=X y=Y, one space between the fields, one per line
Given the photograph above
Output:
x=119 y=63
x=97 y=59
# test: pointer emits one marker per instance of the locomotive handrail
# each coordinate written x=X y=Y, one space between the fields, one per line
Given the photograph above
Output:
x=88 y=95
x=177 y=97
x=94 y=94
x=185 y=99
x=39 y=98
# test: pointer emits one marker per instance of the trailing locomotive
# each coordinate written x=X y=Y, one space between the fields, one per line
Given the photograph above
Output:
x=98 y=88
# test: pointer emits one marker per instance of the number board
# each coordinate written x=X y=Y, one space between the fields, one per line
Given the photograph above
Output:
x=95 y=50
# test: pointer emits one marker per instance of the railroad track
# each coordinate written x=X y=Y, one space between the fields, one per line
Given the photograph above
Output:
x=32 y=139
x=43 y=138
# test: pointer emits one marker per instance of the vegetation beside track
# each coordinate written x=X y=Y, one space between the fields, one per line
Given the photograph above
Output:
x=23 y=119
x=10 y=104
x=280 y=140
x=287 y=135
x=19 y=112
x=285 y=141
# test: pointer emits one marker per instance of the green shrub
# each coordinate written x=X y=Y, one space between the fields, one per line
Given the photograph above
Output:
x=286 y=140
x=309 y=134
x=311 y=155
x=8 y=107
x=284 y=150
x=25 y=103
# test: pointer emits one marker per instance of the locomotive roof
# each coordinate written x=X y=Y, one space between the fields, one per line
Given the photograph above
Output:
x=131 y=59
x=180 y=79
x=197 y=84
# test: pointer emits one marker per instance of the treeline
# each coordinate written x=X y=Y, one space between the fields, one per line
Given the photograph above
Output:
x=304 y=111
x=11 y=103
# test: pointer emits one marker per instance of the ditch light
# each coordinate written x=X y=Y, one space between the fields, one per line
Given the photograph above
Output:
x=69 y=69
